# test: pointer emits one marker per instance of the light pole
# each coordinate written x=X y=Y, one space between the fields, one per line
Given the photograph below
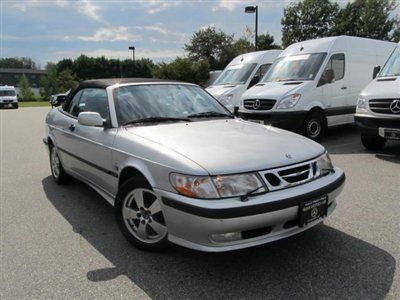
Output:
x=133 y=52
x=250 y=10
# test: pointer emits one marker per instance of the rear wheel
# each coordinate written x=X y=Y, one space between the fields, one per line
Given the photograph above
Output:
x=140 y=217
x=314 y=126
x=57 y=170
x=372 y=141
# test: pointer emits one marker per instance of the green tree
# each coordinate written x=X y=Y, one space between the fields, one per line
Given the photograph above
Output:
x=17 y=63
x=183 y=69
x=266 y=42
x=211 y=45
x=308 y=19
x=25 y=91
x=367 y=18
x=66 y=80
x=49 y=83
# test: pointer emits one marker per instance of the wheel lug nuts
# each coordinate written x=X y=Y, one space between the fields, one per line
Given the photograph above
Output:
x=138 y=215
x=143 y=222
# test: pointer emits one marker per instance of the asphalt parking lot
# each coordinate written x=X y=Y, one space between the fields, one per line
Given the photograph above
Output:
x=62 y=241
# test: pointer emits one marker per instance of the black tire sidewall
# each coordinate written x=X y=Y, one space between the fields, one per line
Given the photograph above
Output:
x=128 y=186
x=63 y=177
x=372 y=141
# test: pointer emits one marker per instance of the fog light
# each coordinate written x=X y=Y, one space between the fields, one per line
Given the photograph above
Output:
x=226 y=237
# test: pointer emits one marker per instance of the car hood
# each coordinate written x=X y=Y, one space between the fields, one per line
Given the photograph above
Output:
x=382 y=88
x=273 y=90
x=231 y=146
x=218 y=90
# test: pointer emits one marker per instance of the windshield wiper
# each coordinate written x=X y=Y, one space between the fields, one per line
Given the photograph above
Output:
x=209 y=114
x=155 y=120
x=246 y=196
x=288 y=79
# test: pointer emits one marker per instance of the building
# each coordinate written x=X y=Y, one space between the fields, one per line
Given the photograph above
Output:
x=11 y=77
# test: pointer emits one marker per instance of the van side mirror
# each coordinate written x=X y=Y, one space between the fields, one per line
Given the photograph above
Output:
x=254 y=80
x=90 y=119
x=376 y=71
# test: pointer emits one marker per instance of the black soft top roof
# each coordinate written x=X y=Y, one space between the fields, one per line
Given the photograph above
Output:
x=106 y=82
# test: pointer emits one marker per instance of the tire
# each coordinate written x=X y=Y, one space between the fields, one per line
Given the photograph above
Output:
x=372 y=142
x=314 y=126
x=139 y=216
x=16 y=106
x=57 y=170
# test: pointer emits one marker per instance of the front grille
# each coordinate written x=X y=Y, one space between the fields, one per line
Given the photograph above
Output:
x=281 y=178
x=259 y=104
x=381 y=106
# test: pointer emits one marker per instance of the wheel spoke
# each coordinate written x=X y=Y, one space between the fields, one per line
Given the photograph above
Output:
x=141 y=231
x=130 y=213
x=155 y=207
x=138 y=198
x=157 y=227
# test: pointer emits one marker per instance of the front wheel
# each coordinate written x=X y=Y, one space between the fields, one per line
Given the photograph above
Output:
x=314 y=126
x=372 y=142
x=57 y=170
x=140 y=217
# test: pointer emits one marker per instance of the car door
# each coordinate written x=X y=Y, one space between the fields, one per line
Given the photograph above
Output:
x=335 y=90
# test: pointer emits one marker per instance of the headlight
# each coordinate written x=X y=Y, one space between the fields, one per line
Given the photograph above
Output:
x=226 y=99
x=216 y=186
x=324 y=164
x=289 y=101
x=361 y=104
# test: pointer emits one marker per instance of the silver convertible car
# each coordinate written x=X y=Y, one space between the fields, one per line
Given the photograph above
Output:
x=178 y=167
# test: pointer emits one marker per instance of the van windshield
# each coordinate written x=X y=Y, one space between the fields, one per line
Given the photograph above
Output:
x=237 y=74
x=392 y=66
x=7 y=93
x=295 y=67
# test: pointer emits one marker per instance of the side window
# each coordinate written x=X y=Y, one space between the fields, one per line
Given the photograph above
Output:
x=259 y=74
x=94 y=100
x=337 y=64
x=264 y=69
x=73 y=107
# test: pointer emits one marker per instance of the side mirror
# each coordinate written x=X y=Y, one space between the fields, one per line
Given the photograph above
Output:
x=60 y=99
x=90 y=119
x=254 y=80
x=376 y=71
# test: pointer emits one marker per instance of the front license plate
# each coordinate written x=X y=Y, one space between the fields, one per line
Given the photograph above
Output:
x=9 y=105
x=312 y=210
x=393 y=134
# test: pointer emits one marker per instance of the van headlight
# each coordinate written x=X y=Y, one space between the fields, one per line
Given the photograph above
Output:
x=221 y=186
x=289 y=101
x=361 y=104
x=324 y=164
x=226 y=99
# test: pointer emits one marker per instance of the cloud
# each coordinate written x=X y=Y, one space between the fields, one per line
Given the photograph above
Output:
x=161 y=54
x=161 y=29
x=85 y=7
x=156 y=6
x=108 y=34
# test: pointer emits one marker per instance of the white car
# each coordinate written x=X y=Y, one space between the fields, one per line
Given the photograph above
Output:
x=378 y=108
x=8 y=97
x=179 y=167
x=241 y=74
x=315 y=84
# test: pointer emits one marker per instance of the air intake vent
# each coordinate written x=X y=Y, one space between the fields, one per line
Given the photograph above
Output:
x=381 y=106
x=259 y=104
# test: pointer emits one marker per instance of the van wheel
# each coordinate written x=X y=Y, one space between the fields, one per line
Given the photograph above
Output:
x=372 y=142
x=140 y=217
x=314 y=126
x=57 y=170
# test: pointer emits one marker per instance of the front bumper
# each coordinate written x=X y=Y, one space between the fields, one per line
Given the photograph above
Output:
x=372 y=124
x=286 y=120
x=9 y=104
x=192 y=222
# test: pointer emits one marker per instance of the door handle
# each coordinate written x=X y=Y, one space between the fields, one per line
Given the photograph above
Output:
x=71 y=127
x=344 y=88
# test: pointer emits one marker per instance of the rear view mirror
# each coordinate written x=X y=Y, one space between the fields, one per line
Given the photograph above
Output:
x=376 y=71
x=90 y=119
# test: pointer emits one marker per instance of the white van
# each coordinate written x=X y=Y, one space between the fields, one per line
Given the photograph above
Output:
x=378 y=107
x=8 y=97
x=243 y=72
x=315 y=84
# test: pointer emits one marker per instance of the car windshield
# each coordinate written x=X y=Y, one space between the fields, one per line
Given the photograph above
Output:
x=7 y=93
x=237 y=74
x=165 y=102
x=392 y=66
x=295 y=67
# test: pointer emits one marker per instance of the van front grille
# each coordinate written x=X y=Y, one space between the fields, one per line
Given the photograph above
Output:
x=259 y=104
x=381 y=106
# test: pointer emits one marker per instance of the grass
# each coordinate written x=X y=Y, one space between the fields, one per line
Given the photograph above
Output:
x=33 y=103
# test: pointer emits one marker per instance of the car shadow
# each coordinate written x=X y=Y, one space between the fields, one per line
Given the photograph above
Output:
x=320 y=263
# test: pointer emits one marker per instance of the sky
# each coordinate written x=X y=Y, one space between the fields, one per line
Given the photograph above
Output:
x=49 y=30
